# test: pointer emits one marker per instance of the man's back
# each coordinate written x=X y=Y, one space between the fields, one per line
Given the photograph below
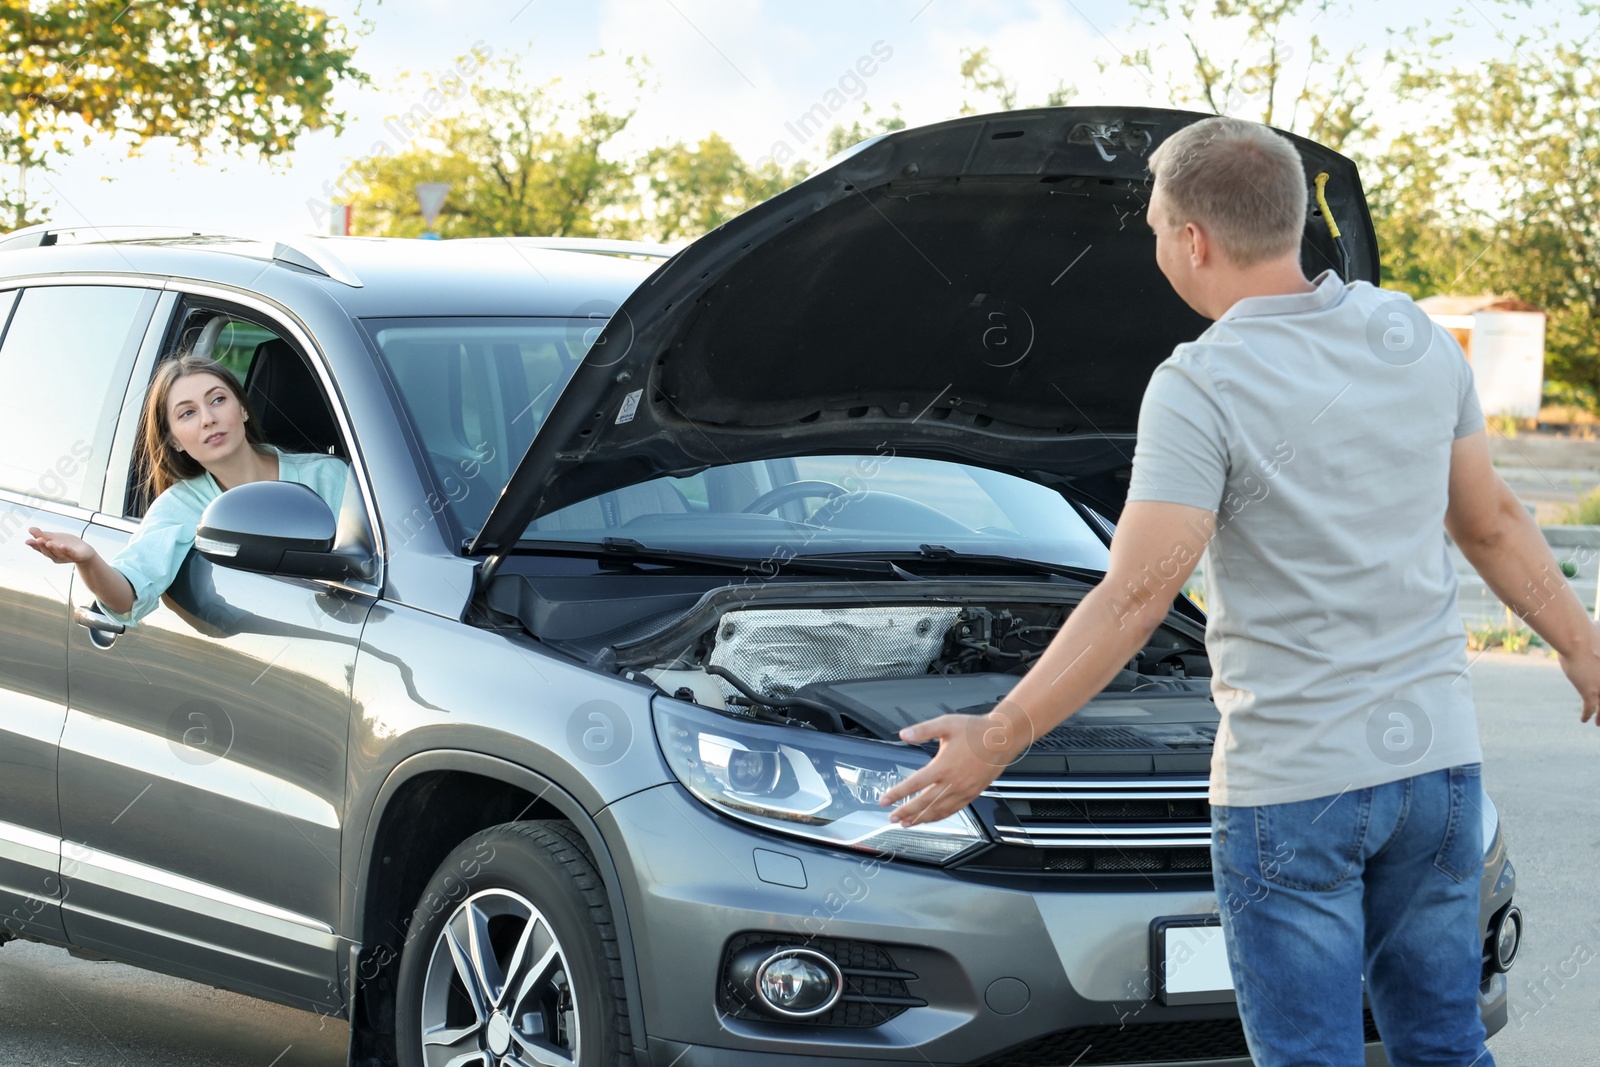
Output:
x=1326 y=420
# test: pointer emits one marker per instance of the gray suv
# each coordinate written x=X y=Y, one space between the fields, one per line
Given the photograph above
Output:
x=561 y=743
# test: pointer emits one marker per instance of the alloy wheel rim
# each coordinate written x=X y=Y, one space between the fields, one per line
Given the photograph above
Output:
x=497 y=992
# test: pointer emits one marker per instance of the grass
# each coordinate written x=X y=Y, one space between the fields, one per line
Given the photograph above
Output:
x=1504 y=425
x=1585 y=513
x=1510 y=637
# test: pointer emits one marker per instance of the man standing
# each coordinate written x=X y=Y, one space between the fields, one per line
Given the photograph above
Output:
x=1315 y=441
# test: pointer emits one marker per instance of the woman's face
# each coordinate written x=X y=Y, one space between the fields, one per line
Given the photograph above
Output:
x=205 y=418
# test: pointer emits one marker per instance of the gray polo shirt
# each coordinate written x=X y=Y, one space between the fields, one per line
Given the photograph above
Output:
x=1318 y=427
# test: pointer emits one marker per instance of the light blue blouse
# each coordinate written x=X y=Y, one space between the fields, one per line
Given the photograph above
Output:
x=150 y=561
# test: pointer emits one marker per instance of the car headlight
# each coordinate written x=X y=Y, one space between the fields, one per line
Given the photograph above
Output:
x=808 y=784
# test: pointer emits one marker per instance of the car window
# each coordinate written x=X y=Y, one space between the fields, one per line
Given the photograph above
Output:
x=64 y=360
x=288 y=402
x=475 y=391
x=237 y=343
x=820 y=505
x=959 y=495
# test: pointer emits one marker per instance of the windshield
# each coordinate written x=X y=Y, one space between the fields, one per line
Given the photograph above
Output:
x=476 y=390
x=822 y=505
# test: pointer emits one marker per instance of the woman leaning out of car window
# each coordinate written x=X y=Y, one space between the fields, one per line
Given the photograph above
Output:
x=198 y=441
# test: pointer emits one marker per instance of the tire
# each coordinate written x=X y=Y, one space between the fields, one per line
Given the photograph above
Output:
x=530 y=893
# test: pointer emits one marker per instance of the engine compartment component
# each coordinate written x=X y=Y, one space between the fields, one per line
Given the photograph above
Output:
x=871 y=671
x=775 y=651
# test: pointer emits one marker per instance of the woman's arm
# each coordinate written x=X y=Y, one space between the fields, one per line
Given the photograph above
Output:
x=109 y=586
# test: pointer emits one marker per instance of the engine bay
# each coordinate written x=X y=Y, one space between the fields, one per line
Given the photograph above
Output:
x=863 y=659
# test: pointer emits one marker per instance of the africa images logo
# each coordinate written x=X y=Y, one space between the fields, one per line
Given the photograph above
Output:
x=1399 y=732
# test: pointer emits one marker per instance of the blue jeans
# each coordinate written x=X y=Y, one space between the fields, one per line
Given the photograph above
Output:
x=1381 y=882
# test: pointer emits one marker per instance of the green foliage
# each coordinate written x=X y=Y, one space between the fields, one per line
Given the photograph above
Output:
x=1502 y=425
x=693 y=189
x=1249 y=77
x=1585 y=513
x=522 y=159
x=842 y=137
x=1512 y=636
x=1507 y=178
x=204 y=73
x=980 y=75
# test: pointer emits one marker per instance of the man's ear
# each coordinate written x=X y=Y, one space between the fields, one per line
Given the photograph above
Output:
x=1199 y=244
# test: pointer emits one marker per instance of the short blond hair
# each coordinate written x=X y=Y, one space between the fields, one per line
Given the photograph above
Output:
x=1240 y=181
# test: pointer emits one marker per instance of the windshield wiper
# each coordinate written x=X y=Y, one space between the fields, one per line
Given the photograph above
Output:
x=941 y=554
x=628 y=550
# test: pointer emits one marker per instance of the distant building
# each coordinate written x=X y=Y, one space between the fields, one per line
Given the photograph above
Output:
x=1503 y=338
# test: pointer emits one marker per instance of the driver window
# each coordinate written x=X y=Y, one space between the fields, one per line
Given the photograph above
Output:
x=285 y=395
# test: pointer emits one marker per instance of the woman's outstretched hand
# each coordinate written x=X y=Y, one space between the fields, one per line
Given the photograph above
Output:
x=109 y=585
x=60 y=547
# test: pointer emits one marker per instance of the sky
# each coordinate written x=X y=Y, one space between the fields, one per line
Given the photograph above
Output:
x=745 y=70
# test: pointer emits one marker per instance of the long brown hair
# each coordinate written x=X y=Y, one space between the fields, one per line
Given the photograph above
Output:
x=161 y=464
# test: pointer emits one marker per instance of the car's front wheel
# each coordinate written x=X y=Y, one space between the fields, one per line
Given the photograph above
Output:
x=511 y=959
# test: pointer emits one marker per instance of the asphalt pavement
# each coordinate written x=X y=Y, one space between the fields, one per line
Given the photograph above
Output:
x=59 y=1011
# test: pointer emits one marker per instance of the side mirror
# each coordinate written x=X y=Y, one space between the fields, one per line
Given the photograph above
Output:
x=275 y=528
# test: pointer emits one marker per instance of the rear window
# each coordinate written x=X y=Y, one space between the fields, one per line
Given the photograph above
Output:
x=65 y=360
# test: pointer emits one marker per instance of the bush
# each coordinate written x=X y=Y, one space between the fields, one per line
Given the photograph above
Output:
x=1585 y=513
x=1511 y=637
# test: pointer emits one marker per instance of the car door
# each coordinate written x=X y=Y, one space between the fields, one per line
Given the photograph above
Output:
x=65 y=355
x=203 y=759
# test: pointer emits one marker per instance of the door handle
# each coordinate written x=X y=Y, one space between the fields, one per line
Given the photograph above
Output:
x=92 y=619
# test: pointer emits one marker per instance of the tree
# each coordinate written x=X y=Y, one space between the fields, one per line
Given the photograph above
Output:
x=695 y=189
x=1511 y=172
x=842 y=137
x=523 y=159
x=1254 y=80
x=980 y=75
x=206 y=73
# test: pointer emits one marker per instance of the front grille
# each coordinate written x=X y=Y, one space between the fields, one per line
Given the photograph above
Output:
x=1127 y=861
x=874 y=988
x=1099 y=825
x=1166 y=1042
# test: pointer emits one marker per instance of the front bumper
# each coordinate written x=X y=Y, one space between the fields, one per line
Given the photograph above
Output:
x=1006 y=974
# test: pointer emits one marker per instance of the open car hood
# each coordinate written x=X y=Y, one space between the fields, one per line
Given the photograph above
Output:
x=982 y=290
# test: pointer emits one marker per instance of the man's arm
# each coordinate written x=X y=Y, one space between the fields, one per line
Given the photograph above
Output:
x=1501 y=540
x=1154 y=551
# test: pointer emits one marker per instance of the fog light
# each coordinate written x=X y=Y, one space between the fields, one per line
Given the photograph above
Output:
x=789 y=983
x=1507 y=939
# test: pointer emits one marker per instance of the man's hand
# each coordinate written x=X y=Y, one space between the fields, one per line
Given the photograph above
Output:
x=973 y=750
x=1582 y=667
x=59 y=547
x=1153 y=553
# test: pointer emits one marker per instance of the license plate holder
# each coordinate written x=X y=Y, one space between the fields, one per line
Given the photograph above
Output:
x=1188 y=962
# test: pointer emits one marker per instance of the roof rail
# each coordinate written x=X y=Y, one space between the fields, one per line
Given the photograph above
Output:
x=600 y=246
x=309 y=255
x=46 y=234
